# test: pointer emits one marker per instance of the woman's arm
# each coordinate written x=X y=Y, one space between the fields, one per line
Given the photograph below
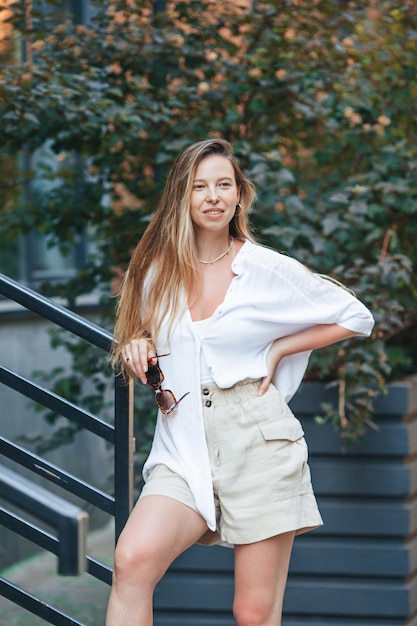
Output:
x=310 y=339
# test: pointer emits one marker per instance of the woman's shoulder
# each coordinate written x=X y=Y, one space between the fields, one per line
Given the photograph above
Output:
x=258 y=254
x=268 y=267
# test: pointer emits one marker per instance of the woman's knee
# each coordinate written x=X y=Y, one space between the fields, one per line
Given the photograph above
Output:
x=255 y=611
x=139 y=563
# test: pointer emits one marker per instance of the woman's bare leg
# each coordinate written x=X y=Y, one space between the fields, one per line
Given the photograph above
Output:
x=157 y=531
x=261 y=571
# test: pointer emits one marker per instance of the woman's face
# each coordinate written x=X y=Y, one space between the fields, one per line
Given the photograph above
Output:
x=214 y=194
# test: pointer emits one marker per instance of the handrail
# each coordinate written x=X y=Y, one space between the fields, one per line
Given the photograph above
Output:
x=55 y=403
x=120 y=435
x=55 y=312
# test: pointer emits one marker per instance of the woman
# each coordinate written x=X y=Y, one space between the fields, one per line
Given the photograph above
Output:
x=233 y=324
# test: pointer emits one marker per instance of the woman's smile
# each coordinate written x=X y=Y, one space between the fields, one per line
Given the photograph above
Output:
x=213 y=212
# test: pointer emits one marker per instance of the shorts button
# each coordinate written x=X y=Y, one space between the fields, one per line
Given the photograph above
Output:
x=208 y=402
x=206 y=392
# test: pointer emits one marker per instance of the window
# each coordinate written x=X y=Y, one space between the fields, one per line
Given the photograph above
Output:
x=34 y=258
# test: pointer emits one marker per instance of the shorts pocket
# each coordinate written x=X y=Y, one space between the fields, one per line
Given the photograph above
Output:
x=286 y=457
x=288 y=428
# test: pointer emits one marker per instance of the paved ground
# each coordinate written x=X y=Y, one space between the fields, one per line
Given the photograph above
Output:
x=83 y=597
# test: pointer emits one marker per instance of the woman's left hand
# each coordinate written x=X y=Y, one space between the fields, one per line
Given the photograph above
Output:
x=272 y=361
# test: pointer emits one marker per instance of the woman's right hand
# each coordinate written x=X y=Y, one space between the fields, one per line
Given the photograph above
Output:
x=137 y=354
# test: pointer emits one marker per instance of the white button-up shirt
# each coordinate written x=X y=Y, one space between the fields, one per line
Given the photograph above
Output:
x=271 y=296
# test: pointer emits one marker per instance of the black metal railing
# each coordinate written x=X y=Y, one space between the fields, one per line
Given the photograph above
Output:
x=69 y=521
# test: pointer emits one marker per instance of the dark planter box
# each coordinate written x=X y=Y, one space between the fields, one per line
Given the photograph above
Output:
x=360 y=569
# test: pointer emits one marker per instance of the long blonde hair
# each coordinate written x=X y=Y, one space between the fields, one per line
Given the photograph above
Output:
x=163 y=265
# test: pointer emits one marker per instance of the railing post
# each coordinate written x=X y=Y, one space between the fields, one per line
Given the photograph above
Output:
x=124 y=448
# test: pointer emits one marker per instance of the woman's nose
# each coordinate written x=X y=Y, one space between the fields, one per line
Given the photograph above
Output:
x=212 y=195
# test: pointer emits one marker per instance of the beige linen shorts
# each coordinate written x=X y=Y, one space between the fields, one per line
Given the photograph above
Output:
x=258 y=456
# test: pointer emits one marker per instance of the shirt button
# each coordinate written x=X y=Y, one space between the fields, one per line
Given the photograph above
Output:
x=208 y=402
x=206 y=392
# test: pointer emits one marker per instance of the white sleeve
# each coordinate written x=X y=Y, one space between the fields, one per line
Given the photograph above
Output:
x=319 y=300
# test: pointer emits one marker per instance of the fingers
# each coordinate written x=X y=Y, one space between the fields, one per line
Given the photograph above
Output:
x=136 y=354
x=273 y=359
x=263 y=385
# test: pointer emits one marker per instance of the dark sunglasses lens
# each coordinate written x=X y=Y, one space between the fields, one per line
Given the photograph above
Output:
x=166 y=401
x=153 y=376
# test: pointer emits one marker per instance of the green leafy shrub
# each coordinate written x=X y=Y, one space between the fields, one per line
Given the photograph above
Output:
x=319 y=102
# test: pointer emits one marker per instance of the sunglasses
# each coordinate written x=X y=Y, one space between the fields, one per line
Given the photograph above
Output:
x=164 y=398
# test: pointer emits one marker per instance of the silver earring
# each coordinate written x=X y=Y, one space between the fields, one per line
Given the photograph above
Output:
x=238 y=209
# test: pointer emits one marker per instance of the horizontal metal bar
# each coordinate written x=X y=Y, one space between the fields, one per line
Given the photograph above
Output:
x=29 y=531
x=48 y=542
x=35 y=605
x=34 y=499
x=51 y=472
x=55 y=313
x=99 y=570
x=57 y=404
